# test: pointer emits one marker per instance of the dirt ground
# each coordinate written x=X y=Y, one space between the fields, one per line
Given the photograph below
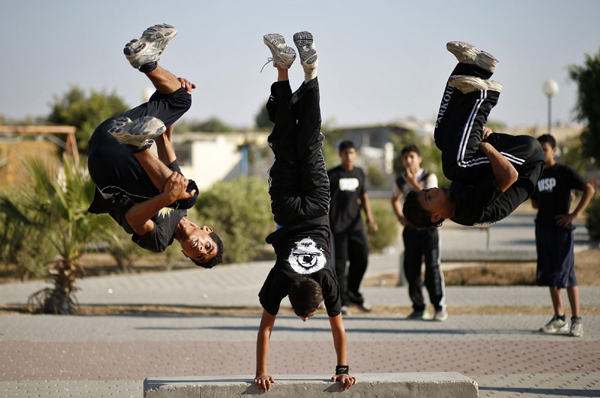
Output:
x=587 y=270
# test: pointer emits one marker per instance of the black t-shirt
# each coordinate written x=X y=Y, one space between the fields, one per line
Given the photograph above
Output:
x=553 y=193
x=346 y=189
x=302 y=250
x=112 y=201
x=484 y=203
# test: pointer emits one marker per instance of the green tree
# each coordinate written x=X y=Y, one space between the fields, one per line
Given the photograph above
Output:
x=57 y=203
x=240 y=212
x=587 y=109
x=387 y=226
x=22 y=238
x=261 y=120
x=212 y=125
x=85 y=112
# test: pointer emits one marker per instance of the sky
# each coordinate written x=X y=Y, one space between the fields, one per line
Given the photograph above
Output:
x=379 y=61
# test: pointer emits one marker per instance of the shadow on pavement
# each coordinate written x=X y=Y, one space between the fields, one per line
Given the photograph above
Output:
x=545 y=391
x=351 y=330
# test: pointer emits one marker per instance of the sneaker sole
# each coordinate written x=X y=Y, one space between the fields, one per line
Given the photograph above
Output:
x=154 y=38
x=468 y=84
x=304 y=41
x=274 y=41
x=469 y=54
x=138 y=132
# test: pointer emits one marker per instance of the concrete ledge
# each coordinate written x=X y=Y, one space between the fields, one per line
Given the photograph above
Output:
x=380 y=385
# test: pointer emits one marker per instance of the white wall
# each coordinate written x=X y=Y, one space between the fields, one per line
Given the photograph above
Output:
x=211 y=161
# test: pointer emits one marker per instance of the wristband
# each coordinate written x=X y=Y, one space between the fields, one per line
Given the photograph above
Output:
x=342 y=370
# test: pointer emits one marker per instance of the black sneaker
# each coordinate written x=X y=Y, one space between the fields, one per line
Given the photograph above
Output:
x=138 y=134
x=416 y=315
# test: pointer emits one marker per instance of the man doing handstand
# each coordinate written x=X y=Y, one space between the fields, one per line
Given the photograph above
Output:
x=299 y=190
x=148 y=196
x=491 y=173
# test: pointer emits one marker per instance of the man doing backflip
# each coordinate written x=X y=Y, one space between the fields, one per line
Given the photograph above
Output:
x=148 y=196
x=299 y=190
x=491 y=173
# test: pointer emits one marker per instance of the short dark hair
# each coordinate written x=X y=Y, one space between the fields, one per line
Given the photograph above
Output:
x=305 y=296
x=411 y=148
x=416 y=214
x=346 y=144
x=547 y=138
x=218 y=258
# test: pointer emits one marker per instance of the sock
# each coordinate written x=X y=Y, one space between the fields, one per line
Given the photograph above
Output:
x=310 y=72
x=562 y=317
x=148 y=67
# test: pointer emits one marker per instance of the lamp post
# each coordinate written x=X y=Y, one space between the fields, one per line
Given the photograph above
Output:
x=146 y=94
x=550 y=88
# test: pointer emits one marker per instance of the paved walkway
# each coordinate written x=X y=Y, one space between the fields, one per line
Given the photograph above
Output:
x=87 y=356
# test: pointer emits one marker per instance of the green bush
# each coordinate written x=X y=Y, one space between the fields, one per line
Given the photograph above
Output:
x=387 y=231
x=592 y=222
x=240 y=213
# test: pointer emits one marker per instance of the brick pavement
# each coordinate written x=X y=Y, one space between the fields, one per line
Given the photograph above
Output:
x=110 y=356
x=87 y=356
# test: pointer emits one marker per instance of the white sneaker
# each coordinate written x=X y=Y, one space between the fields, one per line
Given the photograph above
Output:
x=469 y=54
x=283 y=55
x=440 y=315
x=345 y=310
x=467 y=84
x=576 y=327
x=150 y=46
x=138 y=134
x=556 y=325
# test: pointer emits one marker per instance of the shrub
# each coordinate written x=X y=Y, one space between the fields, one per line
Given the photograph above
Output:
x=592 y=221
x=240 y=213
x=387 y=224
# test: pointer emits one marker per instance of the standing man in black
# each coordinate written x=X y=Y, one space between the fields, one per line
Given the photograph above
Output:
x=348 y=196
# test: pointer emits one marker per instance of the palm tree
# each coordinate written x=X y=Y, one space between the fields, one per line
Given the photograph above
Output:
x=58 y=201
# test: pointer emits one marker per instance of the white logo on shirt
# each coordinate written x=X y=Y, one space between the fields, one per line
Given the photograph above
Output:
x=348 y=184
x=306 y=257
x=546 y=184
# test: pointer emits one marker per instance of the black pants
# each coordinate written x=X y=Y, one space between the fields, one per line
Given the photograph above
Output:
x=422 y=244
x=113 y=168
x=353 y=246
x=459 y=131
x=298 y=182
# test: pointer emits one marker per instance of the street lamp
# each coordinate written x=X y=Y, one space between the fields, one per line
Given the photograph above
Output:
x=550 y=88
x=146 y=94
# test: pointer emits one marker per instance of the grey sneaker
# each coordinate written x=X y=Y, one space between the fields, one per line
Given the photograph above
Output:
x=150 y=46
x=467 y=84
x=138 y=134
x=469 y=54
x=416 y=315
x=576 y=327
x=440 y=315
x=364 y=307
x=305 y=43
x=283 y=55
x=556 y=325
x=345 y=310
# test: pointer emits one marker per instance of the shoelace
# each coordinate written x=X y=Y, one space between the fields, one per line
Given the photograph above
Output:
x=268 y=60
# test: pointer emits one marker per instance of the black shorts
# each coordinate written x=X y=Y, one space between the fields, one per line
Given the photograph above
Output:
x=113 y=168
x=556 y=259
